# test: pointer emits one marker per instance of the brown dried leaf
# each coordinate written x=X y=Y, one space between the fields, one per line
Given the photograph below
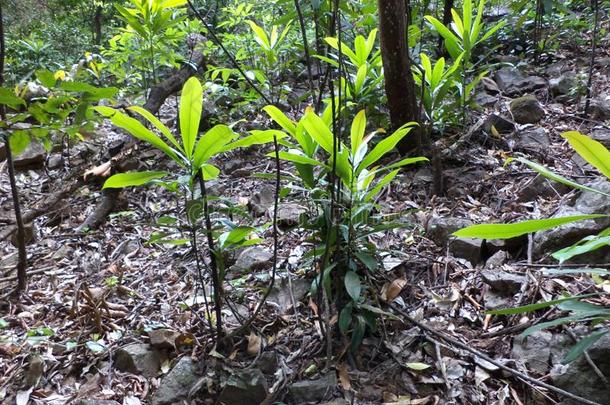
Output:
x=344 y=377
x=391 y=291
x=254 y=344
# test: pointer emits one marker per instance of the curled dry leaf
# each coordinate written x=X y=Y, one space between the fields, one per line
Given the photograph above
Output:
x=254 y=344
x=390 y=291
x=102 y=170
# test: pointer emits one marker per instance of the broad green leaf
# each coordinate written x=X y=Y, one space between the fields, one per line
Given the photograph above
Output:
x=256 y=138
x=345 y=318
x=333 y=42
x=590 y=150
x=545 y=172
x=381 y=184
x=190 y=113
x=507 y=231
x=582 y=317
x=211 y=143
x=604 y=272
x=158 y=124
x=173 y=3
x=18 y=141
x=318 y=130
x=357 y=130
x=296 y=157
x=8 y=97
x=583 y=345
x=451 y=40
x=130 y=179
x=281 y=119
x=536 y=306
x=360 y=79
x=353 y=285
x=46 y=78
x=385 y=146
x=260 y=35
x=210 y=172
x=137 y=130
x=585 y=245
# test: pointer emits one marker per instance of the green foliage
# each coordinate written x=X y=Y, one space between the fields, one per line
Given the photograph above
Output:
x=318 y=158
x=598 y=156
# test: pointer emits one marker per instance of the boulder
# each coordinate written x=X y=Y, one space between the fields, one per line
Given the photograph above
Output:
x=262 y=201
x=244 y=387
x=599 y=109
x=439 y=229
x=163 y=339
x=176 y=385
x=526 y=110
x=562 y=85
x=282 y=295
x=501 y=124
x=534 y=351
x=289 y=215
x=541 y=187
x=549 y=241
x=138 y=358
x=32 y=157
x=512 y=82
x=252 y=258
x=602 y=136
x=467 y=248
x=503 y=282
x=496 y=260
x=312 y=390
x=532 y=140
x=579 y=378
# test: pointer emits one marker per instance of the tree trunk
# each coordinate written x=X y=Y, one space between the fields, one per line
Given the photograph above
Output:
x=399 y=83
x=97 y=25
x=447 y=18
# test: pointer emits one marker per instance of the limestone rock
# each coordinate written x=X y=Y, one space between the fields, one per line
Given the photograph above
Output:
x=512 y=82
x=439 y=229
x=532 y=140
x=244 y=387
x=503 y=282
x=252 y=259
x=501 y=124
x=262 y=201
x=534 y=351
x=526 y=110
x=599 y=109
x=466 y=248
x=175 y=386
x=163 y=338
x=312 y=390
x=32 y=157
x=138 y=358
x=562 y=85
x=289 y=215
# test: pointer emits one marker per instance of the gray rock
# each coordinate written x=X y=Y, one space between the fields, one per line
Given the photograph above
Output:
x=281 y=294
x=262 y=200
x=534 y=351
x=546 y=242
x=175 y=386
x=439 y=229
x=512 y=82
x=54 y=161
x=496 y=260
x=602 y=136
x=562 y=85
x=312 y=390
x=599 y=109
x=514 y=245
x=466 y=248
x=526 y=110
x=244 y=387
x=138 y=358
x=541 y=187
x=289 y=215
x=253 y=258
x=532 y=140
x=494 y=300
x=267 y=362
x=484 y=99
x=503 y=282
x=163 y=339
x=32 y=157
x=579 y=378
x=501 y=124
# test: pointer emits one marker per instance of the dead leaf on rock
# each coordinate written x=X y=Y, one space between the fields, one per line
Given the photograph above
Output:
x=390 y=291
x=102 y=170
x=254 y=344
x=344 y=377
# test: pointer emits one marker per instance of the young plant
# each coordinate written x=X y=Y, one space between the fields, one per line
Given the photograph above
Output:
x=192 y=153
x=462 y=37
x=598 y=156
x=364 y=65
x=318 y=158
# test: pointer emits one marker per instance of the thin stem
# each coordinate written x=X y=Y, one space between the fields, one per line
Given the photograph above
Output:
x=297 y=6
x=595 y=4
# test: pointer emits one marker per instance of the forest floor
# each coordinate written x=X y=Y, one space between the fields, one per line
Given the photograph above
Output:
x=92 y=293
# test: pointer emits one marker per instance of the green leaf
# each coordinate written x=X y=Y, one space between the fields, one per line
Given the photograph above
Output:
x=190 y=113
x=18 y=141
x=46 y=78
x=381 y=184
x=158 y=124
x=583 y=345
x=545 y=172
x=590 y=150
x=132 y=179
x=385 y=146
x=345 y=318
x=295 y=156
x=507 y=231
x=235 y=236
x=577 y=271
x=582 y=317
x=536 y=306
x=585 y=245
x=211 y=143
x=8 y=97
x=281 y=119
x=417 y=366
x=318 y=130
x=256 y=138
x=357 y=131
x=353 y=286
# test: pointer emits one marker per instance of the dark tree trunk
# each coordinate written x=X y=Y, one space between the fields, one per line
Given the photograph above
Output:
x=447 y=18
x=399 y=83
x=97 y=25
